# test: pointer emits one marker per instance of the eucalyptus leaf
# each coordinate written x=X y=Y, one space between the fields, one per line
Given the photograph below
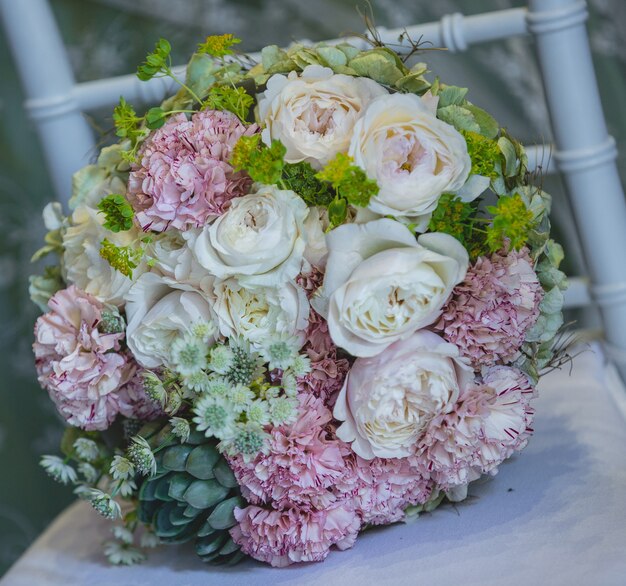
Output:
x=224 y=474
x=175 y=458
x=201 y=74
x=210 y=544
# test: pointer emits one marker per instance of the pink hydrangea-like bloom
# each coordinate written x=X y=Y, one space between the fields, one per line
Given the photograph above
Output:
x=293 y=535
x=490 y=312
x=81 y=367
x=490 y=421
x=184 y=178
x=381 y=489
x=302 y=465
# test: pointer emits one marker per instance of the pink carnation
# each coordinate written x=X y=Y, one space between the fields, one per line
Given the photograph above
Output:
x=289 y=536
x=302 y=465
x=490 y=312
x=489 y=422
x=81 y=367
x=133 y=401
x=184 y=177
x=381 y=489
x=327 y=371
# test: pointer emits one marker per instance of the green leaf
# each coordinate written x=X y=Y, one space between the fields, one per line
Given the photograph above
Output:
x=223 y=516
x=118 y=213
x=378 y=64
x=175 y=458
x=510 y=156
x=459 y=117
x=201 y=461
x=155 y=118
x=332 y=56
x=179 y=483
x=156 y=62
x=487 y=123
x=451 y=95
x=271 y=55
x=210 y=544
x=203 y=494
x=200 y=75
x=224 y=474
x=337 y=211
x=161 y=492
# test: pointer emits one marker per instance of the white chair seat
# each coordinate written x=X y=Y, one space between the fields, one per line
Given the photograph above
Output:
x=556 y=515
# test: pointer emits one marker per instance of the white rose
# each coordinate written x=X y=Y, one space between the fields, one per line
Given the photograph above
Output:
x=387 y=401
x=261 y=314
x=173 y=256
x=413 y=156
x=260 y=240
x=82 y=261
x=381 y=285
x=159 y=311
x=313 y=114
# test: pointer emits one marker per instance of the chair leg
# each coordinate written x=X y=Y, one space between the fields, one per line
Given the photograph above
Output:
x=48 y=83
x=586 y=156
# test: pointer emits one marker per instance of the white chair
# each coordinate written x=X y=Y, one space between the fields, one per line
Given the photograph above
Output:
x=583 y=153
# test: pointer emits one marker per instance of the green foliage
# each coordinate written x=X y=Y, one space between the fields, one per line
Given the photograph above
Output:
x=155 y=118
x=337 y=212
x=349 y=181
x=218 y=45
x=512 y=222
x=192 y=496
x=233 y=99
x=484 y=153
x=127 y=123
x=157 y=63
x=263 y=164
x=122 y=258
x=117 y=211
x=452 y=216
x=302 y=179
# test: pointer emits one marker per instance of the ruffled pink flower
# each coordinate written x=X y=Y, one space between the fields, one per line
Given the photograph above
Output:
x=490 y=312
x=489 y=423
x=381 y=489
x=327 y=371
x=508 y=419
x=293 y=535
x=81 y=367
x=311 y=280
x=184 y=178
x=301 y=466
x=133 y=401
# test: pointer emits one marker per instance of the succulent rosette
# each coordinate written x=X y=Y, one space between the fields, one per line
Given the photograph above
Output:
x=299 y=298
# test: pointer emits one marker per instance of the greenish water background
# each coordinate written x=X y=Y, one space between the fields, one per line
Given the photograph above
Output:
x=109 y=37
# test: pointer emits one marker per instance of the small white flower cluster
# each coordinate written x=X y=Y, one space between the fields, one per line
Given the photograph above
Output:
x=229 y=386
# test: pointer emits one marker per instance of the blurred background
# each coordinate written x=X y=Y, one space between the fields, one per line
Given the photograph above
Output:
x=110 y=37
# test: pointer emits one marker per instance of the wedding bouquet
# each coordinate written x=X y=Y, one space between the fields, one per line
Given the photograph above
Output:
x=300 y=298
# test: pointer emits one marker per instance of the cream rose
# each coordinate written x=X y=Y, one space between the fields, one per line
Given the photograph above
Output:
x=173 y=257
x=262 y=314
x=159 y=311
x=387 y=401
x=413 y=156
x=82 y=261
x=313 y=114
x=381 y=285
x=260 y=240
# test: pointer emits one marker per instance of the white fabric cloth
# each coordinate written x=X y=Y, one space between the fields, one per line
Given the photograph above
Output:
x=556 y=515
